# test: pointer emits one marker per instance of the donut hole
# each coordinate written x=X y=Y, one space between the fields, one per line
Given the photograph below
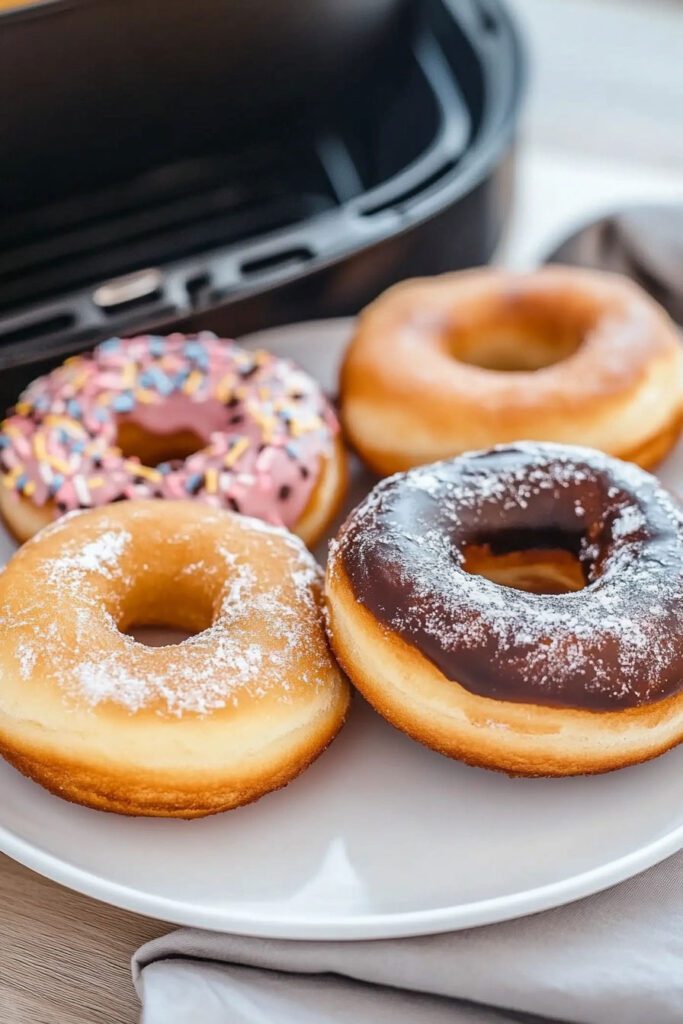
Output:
x=158 y=636
x=550 y=567
x=162 y=622
x=168 y=604
x=152 y=449
x=510 y=343
x=514 y=351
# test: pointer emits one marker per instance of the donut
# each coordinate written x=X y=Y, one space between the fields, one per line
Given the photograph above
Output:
x=177 y=417
x=517 y=608
x=234 y=711
x=468 y=360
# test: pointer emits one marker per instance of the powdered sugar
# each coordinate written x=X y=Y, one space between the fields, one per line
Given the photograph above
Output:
x=629 y=521
x=109 y=679
x=100 y=556
x=27 y=656
x=266 y=631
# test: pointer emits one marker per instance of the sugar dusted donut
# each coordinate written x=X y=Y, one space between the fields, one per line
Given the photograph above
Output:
x=177 y=417
x=517 y=608
x=450 y=364
x=184 y=730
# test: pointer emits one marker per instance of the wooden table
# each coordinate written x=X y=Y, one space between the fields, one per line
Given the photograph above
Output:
x=608 y=84
x=65 y=958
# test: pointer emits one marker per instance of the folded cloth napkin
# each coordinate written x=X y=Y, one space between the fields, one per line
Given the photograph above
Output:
x=643 y=242
x=616 y=956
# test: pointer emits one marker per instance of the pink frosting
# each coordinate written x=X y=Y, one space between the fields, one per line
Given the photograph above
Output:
x=264 y=424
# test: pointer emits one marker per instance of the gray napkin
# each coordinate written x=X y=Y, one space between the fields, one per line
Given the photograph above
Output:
x=643 y=242
x=614 y=957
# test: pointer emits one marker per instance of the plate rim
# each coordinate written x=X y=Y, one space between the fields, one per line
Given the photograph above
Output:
x=403 y=924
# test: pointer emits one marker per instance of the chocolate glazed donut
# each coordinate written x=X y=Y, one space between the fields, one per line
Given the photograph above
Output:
x=584 y=677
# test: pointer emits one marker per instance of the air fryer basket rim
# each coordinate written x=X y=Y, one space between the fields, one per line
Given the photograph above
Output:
x=358 y=234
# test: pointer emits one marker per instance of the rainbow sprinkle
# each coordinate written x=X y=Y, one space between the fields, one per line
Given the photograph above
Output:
x=263 y=426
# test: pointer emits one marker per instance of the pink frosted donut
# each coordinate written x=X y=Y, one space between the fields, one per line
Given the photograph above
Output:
x=174 y=417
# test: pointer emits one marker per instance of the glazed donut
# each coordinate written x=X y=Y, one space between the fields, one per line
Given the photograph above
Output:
x=174 y=417
x=477 y=358
x=581 y=673
x=231 y=713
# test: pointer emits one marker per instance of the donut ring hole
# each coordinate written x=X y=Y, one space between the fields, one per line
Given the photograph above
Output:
x=517 y=335
x=151 y=448
x=537 y=564
x=158 y=636
x=172 y=607
x=163 y=604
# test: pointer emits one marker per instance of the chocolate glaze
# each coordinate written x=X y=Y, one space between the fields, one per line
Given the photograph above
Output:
x=617 y=643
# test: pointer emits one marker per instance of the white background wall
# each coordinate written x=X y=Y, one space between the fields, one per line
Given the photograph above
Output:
x=607 y=78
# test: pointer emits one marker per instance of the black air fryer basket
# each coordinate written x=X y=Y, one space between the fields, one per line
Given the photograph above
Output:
x=255 y=211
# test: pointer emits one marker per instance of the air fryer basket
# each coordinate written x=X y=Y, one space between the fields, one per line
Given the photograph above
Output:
x=408 y=174
x=103 y=89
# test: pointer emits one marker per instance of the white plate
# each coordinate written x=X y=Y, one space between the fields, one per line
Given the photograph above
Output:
x=380 y=838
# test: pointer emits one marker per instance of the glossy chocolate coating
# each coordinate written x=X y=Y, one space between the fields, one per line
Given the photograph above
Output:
x=614 y=644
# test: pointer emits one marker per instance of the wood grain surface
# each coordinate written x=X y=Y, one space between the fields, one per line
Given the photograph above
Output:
x=65 y=958
x=607 y=82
